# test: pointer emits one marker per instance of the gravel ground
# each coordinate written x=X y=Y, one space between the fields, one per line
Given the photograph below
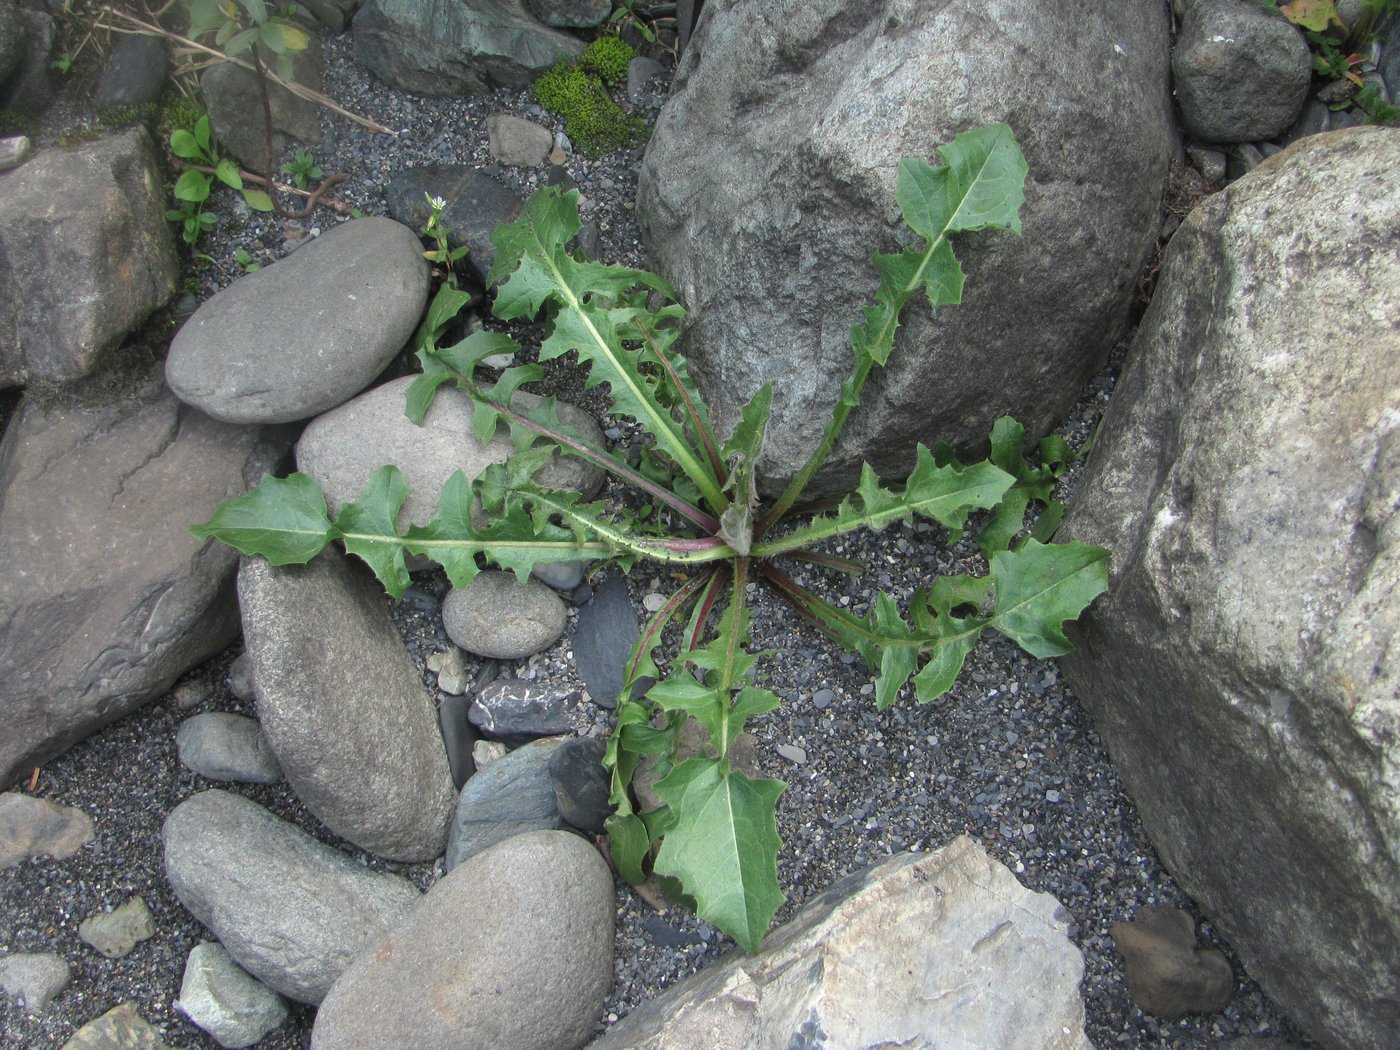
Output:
x=1009 y=757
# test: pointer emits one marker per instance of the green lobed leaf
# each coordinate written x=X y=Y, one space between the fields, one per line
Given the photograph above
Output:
x=723 y=845
x=1040 y=586
x=370 y=531
x=283 y=519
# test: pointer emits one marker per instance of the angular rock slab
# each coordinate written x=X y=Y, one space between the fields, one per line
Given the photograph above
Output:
x=513 y=949
x=511 y=796
x=307 y=333
x=106 y=598
x=291 y=911
x=1242 y=668
x=939 y=949
x=234 y=100
x=342 y=706
x=444 y=47
x=343 y=447
x=38 y=827
x=88 y=256
x=772 y=170
x=223 y=999
x=120 y=1028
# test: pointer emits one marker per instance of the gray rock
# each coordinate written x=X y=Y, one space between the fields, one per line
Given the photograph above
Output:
x=937 y=949
x=496 y=615
x=114 y=933
x=475 y=202
x=458 y=737
x=513 y=949
x=570 y=14
x=240 y=677
x=1168 y=975
x=79 y=277
x=451 y=672
x=291 y=911
x=35 y=827
x=333 y=13
x=29 y=87
x=603 y=636
x=563 y=576
x=484 y=752
x=770 y=181
x=442 y=47
x=341 y=703
x=11 y=39
x=136 y=603
x=581 y=784
x=221 y=998
x=120 y=1028
x=1237 y=669
x=642 y=75
x=33 y=979
x=342 y=448
x=518 y=142
x=308 y=332
x=516 y=711
x=1240 y=73
x=13 y=151
x=234 y=100
x=222 y=745
x=135 y=73
x=511 y=796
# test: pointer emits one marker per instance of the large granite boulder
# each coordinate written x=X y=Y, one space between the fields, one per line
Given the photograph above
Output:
x=106 y=598
x=447 y=47
x=935 y=949
x=1242 y=669
x=770 y=182
x=85 y=256
x=343 y=708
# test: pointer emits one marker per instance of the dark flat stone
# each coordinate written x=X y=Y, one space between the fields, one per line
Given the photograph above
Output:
x=581 y=783
x=603 y=638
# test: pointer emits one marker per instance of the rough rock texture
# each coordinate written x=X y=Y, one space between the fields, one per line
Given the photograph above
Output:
x=513 y=949
x=291 y=911
x=1242 y=668
x=770 y=179
x=567 y=14
x=115 y=933
x=307 y=333
x=33 y=979
x=101 y=623
x=512 y=795
x=497 y=616
x=76 y=278
x=341 y=703
x=445 y=47
x=38 y=827
x=136 y=72
x=1239 y=72
x=1168 y=975
x=235 y=107
x=938 y=949
x=341 y=448
x=120 y=1028
x=225 y=1000
x=333 y=13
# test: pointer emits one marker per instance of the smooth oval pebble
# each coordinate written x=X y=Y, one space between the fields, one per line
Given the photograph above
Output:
x=307 y=333
x=496 y=616
x=512 y=949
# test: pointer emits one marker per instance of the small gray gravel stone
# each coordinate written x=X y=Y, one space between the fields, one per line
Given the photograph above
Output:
x=496 y=616
x=223 y=999
x=522 y=143
x=33 y=979
x=116 y=932
x=222 y=745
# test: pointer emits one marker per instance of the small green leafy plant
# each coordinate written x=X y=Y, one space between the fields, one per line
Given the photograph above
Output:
x=442 y=256
x=715 y=830
x=303 y=169
x=196 y=145
x=1341 y=53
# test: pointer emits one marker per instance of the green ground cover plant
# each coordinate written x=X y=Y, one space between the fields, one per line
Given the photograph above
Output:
x=713 y=839
x=593 y=121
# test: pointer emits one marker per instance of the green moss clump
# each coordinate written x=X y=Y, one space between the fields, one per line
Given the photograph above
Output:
x=15 y=122
x=593 y=121
x=176 y=113
x=115 y=118
x=608 y=57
